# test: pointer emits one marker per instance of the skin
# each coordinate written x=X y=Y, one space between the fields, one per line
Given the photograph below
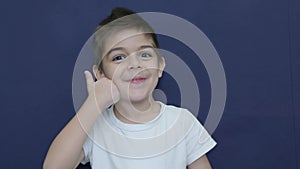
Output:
x=130 y=72
x=130 y=55
x=200 y=163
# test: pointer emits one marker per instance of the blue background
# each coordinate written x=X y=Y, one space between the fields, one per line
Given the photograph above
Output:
x=257 y=40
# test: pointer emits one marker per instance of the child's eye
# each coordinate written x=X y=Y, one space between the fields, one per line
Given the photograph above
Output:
x=118 y=58
x=145 y=55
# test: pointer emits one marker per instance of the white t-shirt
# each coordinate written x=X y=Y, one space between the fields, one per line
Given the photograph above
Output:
x=174 y=139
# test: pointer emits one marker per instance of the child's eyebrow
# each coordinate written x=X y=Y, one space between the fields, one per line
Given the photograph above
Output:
x=145 y=46
x=115 y=49
x=123 y=49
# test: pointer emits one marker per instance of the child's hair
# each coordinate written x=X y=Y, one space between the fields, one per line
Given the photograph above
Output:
x=119 y=19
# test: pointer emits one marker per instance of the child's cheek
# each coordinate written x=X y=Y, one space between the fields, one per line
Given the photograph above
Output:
x=116 y=75
x=111 y=72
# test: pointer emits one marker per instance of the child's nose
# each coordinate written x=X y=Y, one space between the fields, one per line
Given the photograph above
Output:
x=133 y=62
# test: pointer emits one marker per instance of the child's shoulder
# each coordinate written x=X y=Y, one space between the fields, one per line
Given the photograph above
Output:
x=176 y=109
x=181 y=114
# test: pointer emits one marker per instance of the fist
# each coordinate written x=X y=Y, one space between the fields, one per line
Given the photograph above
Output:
x=104 y=91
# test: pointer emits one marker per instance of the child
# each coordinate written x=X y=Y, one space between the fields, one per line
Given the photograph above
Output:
x=120 y=125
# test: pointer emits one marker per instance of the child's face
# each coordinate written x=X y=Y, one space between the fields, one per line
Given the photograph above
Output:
x=130 y=61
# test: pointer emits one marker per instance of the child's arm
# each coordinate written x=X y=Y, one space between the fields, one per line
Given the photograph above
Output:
x=66 y=150
x=200 y=163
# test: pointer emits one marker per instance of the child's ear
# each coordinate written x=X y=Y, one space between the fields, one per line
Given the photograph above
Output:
x=162 y=65
x=98 y=73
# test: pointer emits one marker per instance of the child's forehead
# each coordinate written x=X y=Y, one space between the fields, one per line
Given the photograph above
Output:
x=128 y=38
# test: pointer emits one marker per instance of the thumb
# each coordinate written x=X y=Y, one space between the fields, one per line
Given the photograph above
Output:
x=89 y=79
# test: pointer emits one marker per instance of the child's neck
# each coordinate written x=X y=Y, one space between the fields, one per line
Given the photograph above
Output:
x=137 y=112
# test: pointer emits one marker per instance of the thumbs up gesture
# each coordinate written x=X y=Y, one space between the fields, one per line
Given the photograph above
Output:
x=104 y=91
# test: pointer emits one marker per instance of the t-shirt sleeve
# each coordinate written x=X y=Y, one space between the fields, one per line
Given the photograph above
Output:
x=87 y=149
x=199 y=142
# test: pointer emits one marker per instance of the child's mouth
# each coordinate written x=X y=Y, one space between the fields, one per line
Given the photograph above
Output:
x=137 y=80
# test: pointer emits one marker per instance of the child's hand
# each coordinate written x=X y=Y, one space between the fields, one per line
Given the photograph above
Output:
x=103 y=91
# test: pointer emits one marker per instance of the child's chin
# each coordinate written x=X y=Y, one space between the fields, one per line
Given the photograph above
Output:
x=137 y=98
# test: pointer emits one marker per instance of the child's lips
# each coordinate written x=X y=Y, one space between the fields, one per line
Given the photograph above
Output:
x=137 y=80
